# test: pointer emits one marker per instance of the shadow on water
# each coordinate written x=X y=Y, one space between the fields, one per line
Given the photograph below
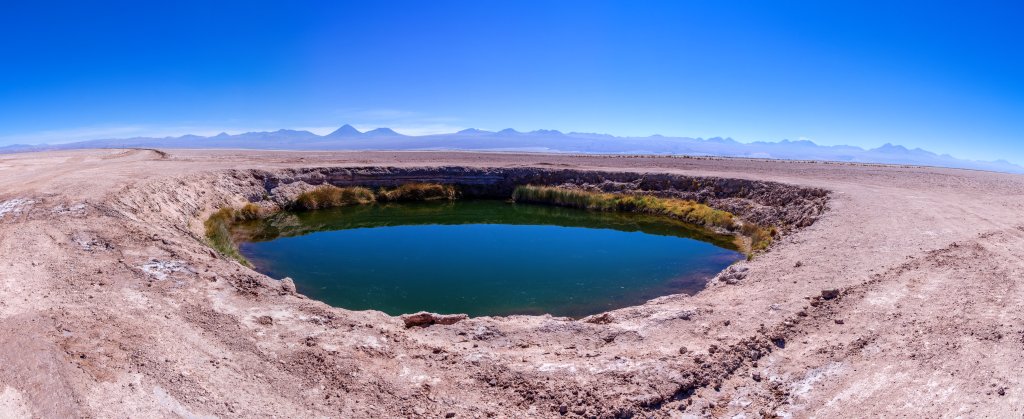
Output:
x=484 y=257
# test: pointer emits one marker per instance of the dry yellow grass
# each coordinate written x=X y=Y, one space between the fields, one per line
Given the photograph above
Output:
x=330 y=196
x=418 y=192
x=689 y=211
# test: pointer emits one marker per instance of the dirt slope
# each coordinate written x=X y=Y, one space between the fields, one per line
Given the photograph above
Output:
x=111 y=306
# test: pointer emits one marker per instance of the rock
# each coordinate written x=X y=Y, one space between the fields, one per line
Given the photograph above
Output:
x=839 y=321
x=563 y=409
x=798 y=264
x=830 y=294
x=667 y=315
x=683 y=350
x=265 y=320
x=603 y=318
x=287 y=286
x=733 y=275
x=756 y=376
x=424 y=319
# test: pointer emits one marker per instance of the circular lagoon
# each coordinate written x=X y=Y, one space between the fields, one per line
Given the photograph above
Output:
x=483 y=257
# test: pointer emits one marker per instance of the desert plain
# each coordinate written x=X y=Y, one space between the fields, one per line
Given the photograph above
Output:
x=901 y=297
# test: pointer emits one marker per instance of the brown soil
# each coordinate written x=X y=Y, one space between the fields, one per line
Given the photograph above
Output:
x=900 y=299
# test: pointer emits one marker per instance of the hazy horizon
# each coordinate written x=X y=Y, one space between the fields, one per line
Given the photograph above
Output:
x=406 y=131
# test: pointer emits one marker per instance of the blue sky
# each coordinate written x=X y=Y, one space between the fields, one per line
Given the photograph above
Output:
x=945 y=76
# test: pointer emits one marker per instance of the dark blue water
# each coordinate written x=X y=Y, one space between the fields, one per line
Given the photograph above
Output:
x=483 y=257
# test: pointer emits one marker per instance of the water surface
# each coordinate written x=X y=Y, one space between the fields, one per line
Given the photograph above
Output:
x=483 y=257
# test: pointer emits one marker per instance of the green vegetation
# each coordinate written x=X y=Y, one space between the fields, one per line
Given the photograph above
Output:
x=249 y=212
x=330 y=196
x=218 y=230
x=748 y=236
x=418 y=192
x=218 y=226
x=760 y=237
x=683 y=210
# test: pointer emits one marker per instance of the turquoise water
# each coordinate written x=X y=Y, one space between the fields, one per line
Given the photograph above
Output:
x=483 y=257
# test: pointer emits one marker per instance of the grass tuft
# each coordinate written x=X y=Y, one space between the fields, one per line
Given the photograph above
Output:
x=418 y=192
x=760 y=237
x=680 y=209
x=683 y=210
x=249 y=212
x=218 y=233
x=330 y=196
x=218 y=225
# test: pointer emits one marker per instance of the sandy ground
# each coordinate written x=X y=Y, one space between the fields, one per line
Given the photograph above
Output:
x=111 y=306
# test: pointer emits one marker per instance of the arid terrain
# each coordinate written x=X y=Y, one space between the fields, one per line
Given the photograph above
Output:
x=900 y=298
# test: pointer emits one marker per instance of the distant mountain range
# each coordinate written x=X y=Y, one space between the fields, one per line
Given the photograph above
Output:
x=349 y=138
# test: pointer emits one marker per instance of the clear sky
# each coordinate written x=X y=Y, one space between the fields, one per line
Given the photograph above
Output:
x=941 y=75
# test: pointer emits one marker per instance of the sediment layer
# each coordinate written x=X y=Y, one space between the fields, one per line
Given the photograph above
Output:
x=765 y=203
x=760 y=204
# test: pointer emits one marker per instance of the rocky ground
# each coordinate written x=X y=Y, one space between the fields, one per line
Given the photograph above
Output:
x=897 y=295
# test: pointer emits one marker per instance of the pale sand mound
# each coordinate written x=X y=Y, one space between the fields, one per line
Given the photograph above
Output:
x=112 y=306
